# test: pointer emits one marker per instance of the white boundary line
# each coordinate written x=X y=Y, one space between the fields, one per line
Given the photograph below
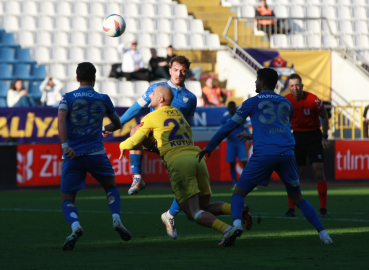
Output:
x=153 y=213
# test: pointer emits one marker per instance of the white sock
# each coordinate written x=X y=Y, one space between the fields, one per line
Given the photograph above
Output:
x=168 y=215
x=322 y=234
x=229 y=227
x=237 y=222
x=137 y=176
x=75 y=225
x=116 y=216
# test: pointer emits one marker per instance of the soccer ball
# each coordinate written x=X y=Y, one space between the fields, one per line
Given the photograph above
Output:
x=114 y=25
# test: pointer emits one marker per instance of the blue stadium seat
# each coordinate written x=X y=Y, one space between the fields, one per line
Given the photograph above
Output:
x=3 y=93
x=5 y=72
x=21 y=71
x=23 y=56
x=7 y=39
x=38 y=72
x=34 y=90
x=7 y=55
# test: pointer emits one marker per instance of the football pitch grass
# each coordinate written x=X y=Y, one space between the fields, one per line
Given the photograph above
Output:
x=34 y=230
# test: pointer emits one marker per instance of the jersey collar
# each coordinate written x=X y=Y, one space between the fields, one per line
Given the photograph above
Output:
x=86 y=86
x=267 y=92
x=175 y=86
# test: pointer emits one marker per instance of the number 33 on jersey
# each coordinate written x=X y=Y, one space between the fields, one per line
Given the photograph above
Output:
x=170 y=130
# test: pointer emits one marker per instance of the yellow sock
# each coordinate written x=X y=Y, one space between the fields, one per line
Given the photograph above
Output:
x=219 y=226
x=226 y=209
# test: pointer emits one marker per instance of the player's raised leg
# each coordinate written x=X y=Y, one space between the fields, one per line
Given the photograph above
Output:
x=168 y=218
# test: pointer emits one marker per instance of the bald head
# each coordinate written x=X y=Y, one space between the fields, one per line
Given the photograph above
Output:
x=161 y=96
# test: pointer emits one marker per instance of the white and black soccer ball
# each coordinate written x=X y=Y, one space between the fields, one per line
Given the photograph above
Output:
x=114 y=25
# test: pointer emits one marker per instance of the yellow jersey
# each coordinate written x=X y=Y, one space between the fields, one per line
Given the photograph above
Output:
x=171 y=131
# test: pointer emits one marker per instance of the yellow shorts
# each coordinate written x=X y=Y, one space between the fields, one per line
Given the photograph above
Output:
x=189 y=177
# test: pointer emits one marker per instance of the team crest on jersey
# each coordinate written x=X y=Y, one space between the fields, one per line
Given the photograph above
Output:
x=185 y=99
x=307 y=111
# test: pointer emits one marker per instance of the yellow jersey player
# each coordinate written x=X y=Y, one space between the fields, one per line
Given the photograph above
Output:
x=189 y=178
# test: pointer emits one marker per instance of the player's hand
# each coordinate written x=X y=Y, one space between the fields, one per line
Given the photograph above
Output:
x=105 y=133
x=69 y=152
x=122 y=153
x=243 y=136
x=202 y=153
x=325 y=143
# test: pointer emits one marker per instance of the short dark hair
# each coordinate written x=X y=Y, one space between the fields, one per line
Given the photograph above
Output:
x=269 y=76
x=170 y=46
x=181 y=60
x=86 y=71
x=294 y=76
x=231 y=103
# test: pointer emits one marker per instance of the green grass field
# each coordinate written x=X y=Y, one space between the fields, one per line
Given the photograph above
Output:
x=33 y=232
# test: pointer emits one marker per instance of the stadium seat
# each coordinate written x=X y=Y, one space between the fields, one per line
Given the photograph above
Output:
x=313 y=41
x=10 y=23
x=43 y=38
x=130 y=9
x=196 y=41
x=180 y=26
x=63 y=8
x=163 y=25
x=125 y=102
x=23 y=55
x=196 y=26
x=38 y=72
x=147 y=10
x=41 y=54
x=281 y=12
x=361 y=27
x=71 y=70
x=313 y=26
x=3 y=94
x=71 y=86
x=359 y=13
x=97 y=9
x=329 y=41
x=345 y=27
x=194 y=87
x=131 y=24
x=21 y=71
x=297 y=12
x=348 y=39
x=109 y=41
x=283 y=2
x=12 y=7
x=34 y=89
x=127 y=37
x=165 y=1
x=126 y=88
x=113 y=8
x=57 y=71
x=179 y=41
x=312 y=12
x=141 y=87
x=59 y=54
x=164 y=11
x=344 y=2
x=332 y=24
x=162 y=52
x=76 y=55
x=62 y=23
x=359 y=2
x=247 y=11
x=98 y=72
x=110 y=55
x=7 y=55
x=29 y=8
x=47 y=8
x=79 y=24
x=212 y=41
x=362 y=41
x=77 y=39
x=28 y=23
x=94 y=24
x=279 y=41
x=8 y=39
x=146 y=55
x=146 y=25
x=60 y=39
x=5 y=73
x=80 y=9
x=343 y=12
x=328 y=12
x=162 y=40
x=329 y=2
x=45 y=23
x=93 y=55
x=144 y=40
x=296 y=41
x=180 y=11
x=94 y=39
x=25 y=39
x=109 y=87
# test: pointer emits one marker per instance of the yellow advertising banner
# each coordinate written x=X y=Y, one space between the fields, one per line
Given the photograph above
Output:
x=314 y=67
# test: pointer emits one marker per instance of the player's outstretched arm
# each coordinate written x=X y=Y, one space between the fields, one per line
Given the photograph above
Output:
x=202 y=153
x=243 y=136
x=62 y=128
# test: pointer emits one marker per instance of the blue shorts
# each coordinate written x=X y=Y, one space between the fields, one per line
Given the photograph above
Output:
x=75 y=170
x=259 y=169
x=235 y=150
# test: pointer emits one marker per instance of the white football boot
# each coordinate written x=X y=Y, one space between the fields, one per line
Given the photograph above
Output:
x=123 y=232
x=171 y=228
x=137 y=185
x=230 y=236
x=324 y=237
x=72 y=239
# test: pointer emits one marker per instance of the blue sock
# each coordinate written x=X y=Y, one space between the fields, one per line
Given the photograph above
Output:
x=70 y=213
x=234 y=176
x=174 y=208
x=113 y=198
x=310 y=214
x=237 y=205
x=136 y=161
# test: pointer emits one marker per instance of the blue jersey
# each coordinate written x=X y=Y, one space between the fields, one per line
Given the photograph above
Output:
x=232 y=138
x=86 y=110
x=184 y=100
x=270 y=116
